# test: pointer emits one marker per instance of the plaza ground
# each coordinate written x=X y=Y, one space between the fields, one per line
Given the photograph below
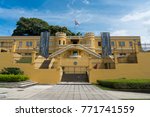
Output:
x=67 y=92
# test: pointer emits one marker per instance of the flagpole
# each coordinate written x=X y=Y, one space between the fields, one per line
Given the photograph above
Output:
x=76 y=24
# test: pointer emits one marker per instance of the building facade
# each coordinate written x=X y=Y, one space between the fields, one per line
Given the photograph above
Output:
x=73 y=56
x=124 y=45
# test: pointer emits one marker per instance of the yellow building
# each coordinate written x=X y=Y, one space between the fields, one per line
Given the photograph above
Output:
x=72 y=58
x=124 y=45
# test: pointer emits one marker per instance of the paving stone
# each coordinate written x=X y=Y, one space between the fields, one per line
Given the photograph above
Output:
x=66 y=92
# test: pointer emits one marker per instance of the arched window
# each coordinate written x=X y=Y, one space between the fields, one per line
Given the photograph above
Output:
x=59 y=42
x=63 y=42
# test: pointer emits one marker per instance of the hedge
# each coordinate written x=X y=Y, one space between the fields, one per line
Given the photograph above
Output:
x=125 y=83
x=12 y=70
x=12 y=78
x=25 y=60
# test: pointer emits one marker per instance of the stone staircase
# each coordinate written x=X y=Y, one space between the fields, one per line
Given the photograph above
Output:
x=45 y=64
x=74 y=78
x=42 y=63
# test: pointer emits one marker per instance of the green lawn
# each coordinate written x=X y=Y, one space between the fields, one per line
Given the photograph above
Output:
x=126 y=84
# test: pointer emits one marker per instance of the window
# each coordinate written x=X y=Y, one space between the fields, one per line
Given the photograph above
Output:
x=20 y=44
x=27 y=53
x=75 y=53
x=130 y=43
x=121 y=43
x=139 y=43
x=112 y=43
x=122 y=54
x=63 y=42
x=99 y=43
x=29 y=43
x=59 y=42
x=38 y=43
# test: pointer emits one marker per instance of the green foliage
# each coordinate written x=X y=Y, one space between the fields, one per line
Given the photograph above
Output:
x=12 y=78
x=126 y=83
x=12 y=70
x=30 y=26
x=25 y=60
x=34 y=27
x=54 y=29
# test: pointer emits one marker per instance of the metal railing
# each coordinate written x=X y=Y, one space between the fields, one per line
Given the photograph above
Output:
x=145 y=47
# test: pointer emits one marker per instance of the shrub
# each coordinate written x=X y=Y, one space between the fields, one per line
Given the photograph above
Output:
x=13 y=78
x=25 y=60
x=12 y=70
x=125 y=83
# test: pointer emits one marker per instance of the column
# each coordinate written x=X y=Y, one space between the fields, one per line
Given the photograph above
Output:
x=14 y=47
x=115 y=56
x=33 y=56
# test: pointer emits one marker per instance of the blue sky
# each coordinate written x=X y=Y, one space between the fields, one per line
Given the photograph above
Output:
x=119 y=17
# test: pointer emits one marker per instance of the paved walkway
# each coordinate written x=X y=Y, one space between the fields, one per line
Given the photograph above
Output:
x=73 y=92
x=66 y=92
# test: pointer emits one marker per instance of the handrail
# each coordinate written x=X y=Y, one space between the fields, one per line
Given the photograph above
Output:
x=71 y=46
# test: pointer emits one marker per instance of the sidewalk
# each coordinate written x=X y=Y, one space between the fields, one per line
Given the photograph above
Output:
x=67 y=92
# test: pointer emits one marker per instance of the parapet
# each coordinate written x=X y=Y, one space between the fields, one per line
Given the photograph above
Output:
x=89 y=34
x=60 y=34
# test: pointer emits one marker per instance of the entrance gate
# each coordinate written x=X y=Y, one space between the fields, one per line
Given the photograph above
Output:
x=74 y=74
x=74 y=69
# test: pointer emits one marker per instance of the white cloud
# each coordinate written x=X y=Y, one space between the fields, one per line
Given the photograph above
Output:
x=86 y=1
x=136 y=16
x=120 y=33
x=135 y=23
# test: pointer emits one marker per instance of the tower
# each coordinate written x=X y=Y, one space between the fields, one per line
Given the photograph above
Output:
x=90 y=40
x=60 y=39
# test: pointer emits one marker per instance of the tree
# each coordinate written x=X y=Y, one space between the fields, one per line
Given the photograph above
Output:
x=79 y=34
x=30 y=26
x=54 y=29
x=34 y=27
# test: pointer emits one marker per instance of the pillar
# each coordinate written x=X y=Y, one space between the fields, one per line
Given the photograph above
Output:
x=14 y=47
x=90 y=65
x=115 y=56
x=136 y=48
x=33 y=56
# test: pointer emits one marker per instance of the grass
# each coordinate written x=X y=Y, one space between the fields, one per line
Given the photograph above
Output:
x=123 y=84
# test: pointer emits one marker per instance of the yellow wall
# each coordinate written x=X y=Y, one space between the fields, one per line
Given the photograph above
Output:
x=125 y=70
x=42 y=76
x=52 y=76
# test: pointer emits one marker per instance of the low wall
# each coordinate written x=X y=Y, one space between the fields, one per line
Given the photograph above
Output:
x=124 y=70
x=42 y=76
x=52 y=76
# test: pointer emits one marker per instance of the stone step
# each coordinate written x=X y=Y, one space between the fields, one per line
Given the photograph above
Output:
x=22 y=84
x=74 y=78
x=74 y=83
x=27 y=84
x=45 y=64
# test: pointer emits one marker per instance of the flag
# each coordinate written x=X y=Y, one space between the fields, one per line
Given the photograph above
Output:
x=76 y=22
